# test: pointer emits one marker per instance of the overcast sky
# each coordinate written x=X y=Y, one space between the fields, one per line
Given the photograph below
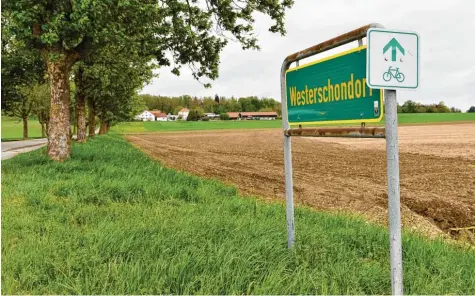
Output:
x=446 y=29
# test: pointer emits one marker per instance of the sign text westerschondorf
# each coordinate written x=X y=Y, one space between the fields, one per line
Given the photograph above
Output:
x=333 y=90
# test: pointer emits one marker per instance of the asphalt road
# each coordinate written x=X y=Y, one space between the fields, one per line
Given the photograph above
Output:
x=10 y=149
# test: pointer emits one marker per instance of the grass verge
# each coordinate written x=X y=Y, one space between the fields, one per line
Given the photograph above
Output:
x=113 y=221
x=151 y=126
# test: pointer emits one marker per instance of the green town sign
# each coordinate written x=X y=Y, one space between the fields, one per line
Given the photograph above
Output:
x=333 y=90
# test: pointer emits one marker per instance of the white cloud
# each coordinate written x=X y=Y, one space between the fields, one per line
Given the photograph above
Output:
x=447 y=49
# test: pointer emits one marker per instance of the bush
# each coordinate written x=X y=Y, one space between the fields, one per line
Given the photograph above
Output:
x=192 y=116
x=224 y=116
x=205 y=118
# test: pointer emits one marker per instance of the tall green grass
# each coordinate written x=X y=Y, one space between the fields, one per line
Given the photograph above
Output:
x=113 y=221
x=151 y=126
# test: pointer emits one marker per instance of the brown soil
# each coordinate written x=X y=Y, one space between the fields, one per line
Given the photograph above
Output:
x=437 y=165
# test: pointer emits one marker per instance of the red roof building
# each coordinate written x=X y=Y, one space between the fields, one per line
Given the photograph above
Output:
x=252 y=115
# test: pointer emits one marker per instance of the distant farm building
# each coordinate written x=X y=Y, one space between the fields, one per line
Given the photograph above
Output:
x=145 y=116
x=172 y=117
x=159 y=116
x=184 y=113
x=211 y=115
x=155 y=115
x=252 y=115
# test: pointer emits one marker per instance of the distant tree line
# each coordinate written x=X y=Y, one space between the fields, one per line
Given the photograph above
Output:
x=217 y=105
x=414 y=107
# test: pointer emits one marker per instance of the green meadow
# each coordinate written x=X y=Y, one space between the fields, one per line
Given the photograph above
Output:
x=113 y=221
x=12 y=128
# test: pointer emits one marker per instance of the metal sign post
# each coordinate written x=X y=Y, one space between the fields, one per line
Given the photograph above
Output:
x=305 y=82
x=394 y=204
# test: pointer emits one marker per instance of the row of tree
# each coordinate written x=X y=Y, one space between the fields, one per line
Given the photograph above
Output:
x=215 y=105
x=106 y=50
x=414 y=107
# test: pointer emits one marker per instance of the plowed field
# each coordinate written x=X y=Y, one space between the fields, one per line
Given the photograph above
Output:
x=437 y=164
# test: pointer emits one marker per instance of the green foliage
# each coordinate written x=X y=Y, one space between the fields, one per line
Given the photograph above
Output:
x=175 y=110
x=110 y=79
x=224 y=116
x=193 y=116
x=414 y=107
x=194 y=32
x=209 y=105
x=471 y=109
x=21 y=67
x=113 y=221
x=39 y=97
x=199 y=112
x=137 y=106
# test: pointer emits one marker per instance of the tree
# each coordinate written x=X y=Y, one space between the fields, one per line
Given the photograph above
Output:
x=177 y=109
x=112 y=80
x=224 y=116
x=40 y=97
x=22 y=108
x=216 y=98
x=195 y=33
x=471 y=109
x=137 y=106
x=108 y=81
x=209 y=105
x=191 y=116
x=409 y=107
x=80 y=104
x=21 y=68
x=442 y=108
x=266 y=109
x=199 y=112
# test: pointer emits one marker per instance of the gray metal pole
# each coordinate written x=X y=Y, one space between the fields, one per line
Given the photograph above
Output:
x=289 y=186
x=394 y=204
x=289 y=192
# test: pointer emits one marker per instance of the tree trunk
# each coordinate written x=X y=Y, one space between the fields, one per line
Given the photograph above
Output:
x=81 y=117
x=59 y=142
x=91 y=118
x=25 y=127
x=43 y=132
x=103 y=127
x=80 y=108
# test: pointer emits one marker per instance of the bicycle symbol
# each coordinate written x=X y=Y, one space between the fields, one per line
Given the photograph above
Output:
x=393 y=72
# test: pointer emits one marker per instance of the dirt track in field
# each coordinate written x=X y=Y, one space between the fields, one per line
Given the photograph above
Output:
x=437 y=164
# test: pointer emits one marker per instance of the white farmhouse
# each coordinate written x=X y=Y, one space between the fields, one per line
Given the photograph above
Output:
x=145 y=116
x=184 y=113
x=159 y=115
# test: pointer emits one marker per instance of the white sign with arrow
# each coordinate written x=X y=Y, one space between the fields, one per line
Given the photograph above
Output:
x=392 y=59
